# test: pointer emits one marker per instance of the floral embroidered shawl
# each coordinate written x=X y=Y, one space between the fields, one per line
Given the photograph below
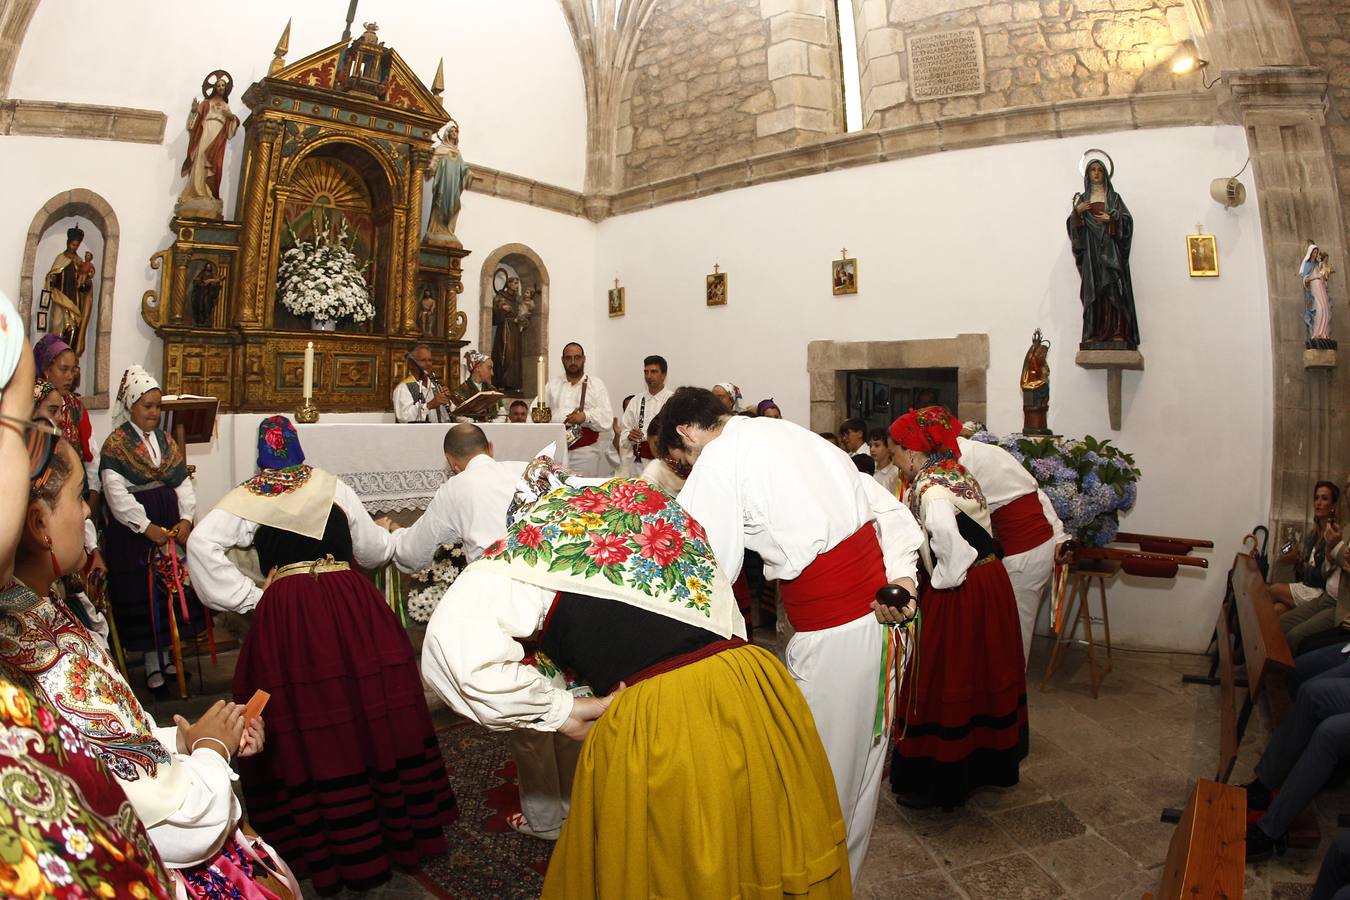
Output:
x=69 y=670
x=66 y=827
x=946 y=478
x=625 y=540
x=125 y=453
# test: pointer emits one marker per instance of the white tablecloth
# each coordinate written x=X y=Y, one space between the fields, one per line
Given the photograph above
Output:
x=395 y=467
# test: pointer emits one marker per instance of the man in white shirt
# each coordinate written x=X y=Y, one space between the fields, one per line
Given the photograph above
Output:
x=419 y=398
x=634 y=451
x=887 y=473
x=831 y=539
x=853 y=437
x=1024 y=523
x=581 y=402
x=471 y=508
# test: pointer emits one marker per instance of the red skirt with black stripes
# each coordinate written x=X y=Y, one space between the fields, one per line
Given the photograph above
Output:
x=963 y=715
x=351 y=781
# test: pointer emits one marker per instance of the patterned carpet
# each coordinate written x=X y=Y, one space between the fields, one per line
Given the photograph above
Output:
x=486 y=858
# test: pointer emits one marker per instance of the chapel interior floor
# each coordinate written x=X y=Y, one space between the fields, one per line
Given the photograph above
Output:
x=1083 y=822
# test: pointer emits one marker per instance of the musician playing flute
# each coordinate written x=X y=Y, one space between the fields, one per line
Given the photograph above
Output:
x=420 y=397
x=581 y=402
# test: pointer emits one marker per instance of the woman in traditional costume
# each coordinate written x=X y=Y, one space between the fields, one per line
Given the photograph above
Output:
x=150 y=504
x=178 y=779
x=353 y=782
x=57 y=363
x=47 y=401
x=730 y=395
x=963 y=713
x=705 y=776
x=70 y=829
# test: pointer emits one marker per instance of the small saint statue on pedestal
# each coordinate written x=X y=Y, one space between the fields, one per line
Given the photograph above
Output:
x=450 y=177
x=1314 y=270
x=206 y=286
x=1100 y=230
x=426 y=314
x=210 y=125
x=1036 y=386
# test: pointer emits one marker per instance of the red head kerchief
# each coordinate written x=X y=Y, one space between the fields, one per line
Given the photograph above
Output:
x=928 y=430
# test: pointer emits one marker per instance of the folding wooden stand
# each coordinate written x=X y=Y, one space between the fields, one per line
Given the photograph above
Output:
x=1085 y=572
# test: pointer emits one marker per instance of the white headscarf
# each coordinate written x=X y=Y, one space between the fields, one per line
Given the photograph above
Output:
x=12 y=342
x=135 y=382
x=1307 y=256
x=733 y=392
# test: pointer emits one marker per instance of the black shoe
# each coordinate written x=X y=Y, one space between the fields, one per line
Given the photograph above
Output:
x=1258 y=795
x=1261 y=848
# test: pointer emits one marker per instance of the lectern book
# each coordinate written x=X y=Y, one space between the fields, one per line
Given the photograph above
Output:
x=479 y=403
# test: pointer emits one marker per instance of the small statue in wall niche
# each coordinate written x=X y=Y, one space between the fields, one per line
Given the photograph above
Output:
x=1315 y=270
x=70 y=286
x=210 y=125
x=450 y=177
x=1101 y=230
x=426 y=313
x=1036 y=386
x=205 y=294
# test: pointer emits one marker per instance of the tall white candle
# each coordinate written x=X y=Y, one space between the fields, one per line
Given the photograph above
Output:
x=309 y=370
x=542 y=376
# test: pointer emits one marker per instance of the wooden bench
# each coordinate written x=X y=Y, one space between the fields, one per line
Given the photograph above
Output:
x=1208 y=853
x=1248 y=633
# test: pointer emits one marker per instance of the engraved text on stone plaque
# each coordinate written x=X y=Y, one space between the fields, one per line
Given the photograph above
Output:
x=946 y=64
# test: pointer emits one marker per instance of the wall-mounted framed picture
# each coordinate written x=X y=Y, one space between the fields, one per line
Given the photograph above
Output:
x=716 y=288
x=1202 y=253
x=844 y=276
x=617 y=304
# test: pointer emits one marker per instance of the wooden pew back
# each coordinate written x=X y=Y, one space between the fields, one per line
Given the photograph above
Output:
x=1208 y=853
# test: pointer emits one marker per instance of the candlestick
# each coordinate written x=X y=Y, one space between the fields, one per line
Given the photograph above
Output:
x=309 y=370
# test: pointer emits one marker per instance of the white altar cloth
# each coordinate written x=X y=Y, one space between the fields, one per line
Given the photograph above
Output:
x=394 y=467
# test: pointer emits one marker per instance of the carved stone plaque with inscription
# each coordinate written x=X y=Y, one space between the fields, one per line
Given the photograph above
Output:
x=946 y=64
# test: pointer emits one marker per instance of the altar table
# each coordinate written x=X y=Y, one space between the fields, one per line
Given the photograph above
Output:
x=395 y=467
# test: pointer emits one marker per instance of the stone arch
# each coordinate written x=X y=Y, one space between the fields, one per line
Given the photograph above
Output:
x=535 y=343
x=88 y=205
x=15 y=16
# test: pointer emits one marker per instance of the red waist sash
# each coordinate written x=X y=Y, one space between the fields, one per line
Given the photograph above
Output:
x=839 y=586
x=1021 y=525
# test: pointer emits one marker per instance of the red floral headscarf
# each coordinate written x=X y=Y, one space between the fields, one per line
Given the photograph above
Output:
x=928 y=430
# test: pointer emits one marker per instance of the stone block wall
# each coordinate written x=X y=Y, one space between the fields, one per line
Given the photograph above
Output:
x=1035 y=51
x=1325 y=29
x=716 y=81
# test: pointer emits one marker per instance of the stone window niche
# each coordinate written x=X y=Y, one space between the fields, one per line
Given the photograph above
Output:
x=86 y=208
x=528 y=330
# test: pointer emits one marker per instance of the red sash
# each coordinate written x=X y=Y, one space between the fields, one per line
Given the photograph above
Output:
x=1021 y=525
x=588 y=436
x=839 y=586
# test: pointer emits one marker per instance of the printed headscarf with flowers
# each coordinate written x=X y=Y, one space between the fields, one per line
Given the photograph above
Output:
x=933 y=430
x=286 y=493
x=623 y=539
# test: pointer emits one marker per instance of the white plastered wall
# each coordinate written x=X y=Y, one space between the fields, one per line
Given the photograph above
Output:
x=974 y=242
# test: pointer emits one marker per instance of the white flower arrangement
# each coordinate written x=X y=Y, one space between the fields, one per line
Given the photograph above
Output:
x=321 y=278
x=448 y=562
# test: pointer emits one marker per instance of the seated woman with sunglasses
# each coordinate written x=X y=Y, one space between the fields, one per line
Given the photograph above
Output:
x=178 y=779
x=150 y=503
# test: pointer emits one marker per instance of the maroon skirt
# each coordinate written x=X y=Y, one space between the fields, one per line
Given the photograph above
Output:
x=351 y=781
x=963 y=719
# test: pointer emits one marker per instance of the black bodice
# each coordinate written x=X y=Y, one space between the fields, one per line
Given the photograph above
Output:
x=281 y=548
x=606 y=641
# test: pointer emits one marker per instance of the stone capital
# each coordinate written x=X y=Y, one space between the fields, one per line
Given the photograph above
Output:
x=1293 y=90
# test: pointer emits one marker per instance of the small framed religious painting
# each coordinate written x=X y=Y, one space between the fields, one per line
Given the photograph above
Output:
x=716 y=288
x=616 y=302
x=844 y=276
x=1202 y=252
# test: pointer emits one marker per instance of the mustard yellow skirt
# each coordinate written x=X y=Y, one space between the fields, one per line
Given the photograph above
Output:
x=709 y=781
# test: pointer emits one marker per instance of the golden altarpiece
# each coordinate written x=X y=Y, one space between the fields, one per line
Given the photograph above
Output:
x=342 y=135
